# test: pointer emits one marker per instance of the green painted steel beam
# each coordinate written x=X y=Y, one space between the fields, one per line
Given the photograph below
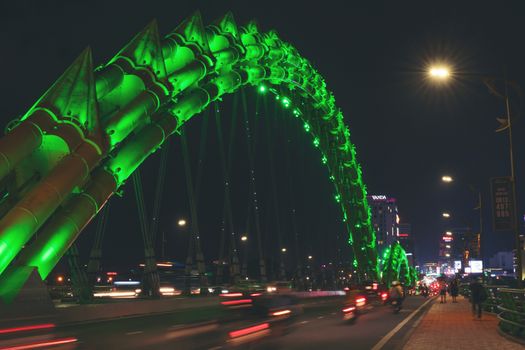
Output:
x=178 y=76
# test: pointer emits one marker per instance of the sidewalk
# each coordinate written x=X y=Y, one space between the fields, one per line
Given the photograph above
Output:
x=451 y=326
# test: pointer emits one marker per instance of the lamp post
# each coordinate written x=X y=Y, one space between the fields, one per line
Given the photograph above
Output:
x=440 y=74
x=182 y=224
x=519 y=263
x=244 y=267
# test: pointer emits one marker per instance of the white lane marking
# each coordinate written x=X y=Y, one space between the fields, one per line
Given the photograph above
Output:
x=304 y=322
x=333 y=313
x=320 y=317
x=133 y=333
x=390 y=334
x=177 y=333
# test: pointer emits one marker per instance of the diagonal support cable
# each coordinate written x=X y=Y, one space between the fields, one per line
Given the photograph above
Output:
x=234 y=263
x=194 y=241
x=251 y=142
x=151 y=282
x=159 y=191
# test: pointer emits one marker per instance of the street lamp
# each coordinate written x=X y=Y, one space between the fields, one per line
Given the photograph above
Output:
x=442 y=73
x=447 y=178
x=445 y=215
x=310 y=257
x=448 y=233
x=283 y=250
x=439 y=73
x=182 y=222
x=244 y=266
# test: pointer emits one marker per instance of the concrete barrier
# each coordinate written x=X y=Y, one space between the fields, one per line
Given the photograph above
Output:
x=319 y=294
x=114 y=309
x=120 y=309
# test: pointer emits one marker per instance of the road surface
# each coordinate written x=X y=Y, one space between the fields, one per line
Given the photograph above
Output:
x=319 y=327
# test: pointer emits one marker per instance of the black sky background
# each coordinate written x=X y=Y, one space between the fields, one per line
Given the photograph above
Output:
x=373 y=56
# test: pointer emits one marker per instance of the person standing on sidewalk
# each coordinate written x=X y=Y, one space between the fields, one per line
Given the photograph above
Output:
x=477 y=296
x=454 y=289
x=443 y=291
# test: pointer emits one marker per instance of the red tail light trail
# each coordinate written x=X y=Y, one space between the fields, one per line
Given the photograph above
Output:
x=27 y=328
x=249 y=330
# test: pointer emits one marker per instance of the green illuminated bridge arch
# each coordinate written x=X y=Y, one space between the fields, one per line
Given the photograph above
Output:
x=90 y=131
x=395 y=266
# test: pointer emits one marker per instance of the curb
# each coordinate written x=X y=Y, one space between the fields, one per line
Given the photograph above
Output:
x=414 y=326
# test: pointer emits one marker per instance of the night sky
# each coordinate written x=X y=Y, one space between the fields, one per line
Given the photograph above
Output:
x=373 y=57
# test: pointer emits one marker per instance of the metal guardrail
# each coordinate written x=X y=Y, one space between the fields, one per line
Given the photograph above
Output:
x=492 y=302
x=511 y=306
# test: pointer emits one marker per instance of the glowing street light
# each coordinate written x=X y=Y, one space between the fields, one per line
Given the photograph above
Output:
x=310 y=257
x=181 y=222
x=439 y=73
x=244 y=238
x=448 y=233
x=447 y=178
x=446 y=215
x=283 y=250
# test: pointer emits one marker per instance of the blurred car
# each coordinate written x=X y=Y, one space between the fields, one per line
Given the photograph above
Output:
x=216 y=290
x=267 y=315
x=279 y=287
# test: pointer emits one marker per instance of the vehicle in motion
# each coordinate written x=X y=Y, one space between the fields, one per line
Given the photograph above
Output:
x=252 y=317
x=349 y=313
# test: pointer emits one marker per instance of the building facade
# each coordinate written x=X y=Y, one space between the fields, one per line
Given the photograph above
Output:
x=385 y=220
x=502 y=260
x=406 y=239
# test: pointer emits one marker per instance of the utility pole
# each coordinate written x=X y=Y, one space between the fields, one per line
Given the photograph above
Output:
x=516 y=225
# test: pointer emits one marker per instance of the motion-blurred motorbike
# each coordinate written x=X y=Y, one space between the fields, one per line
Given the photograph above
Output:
x=349 y=313
x=396 y=305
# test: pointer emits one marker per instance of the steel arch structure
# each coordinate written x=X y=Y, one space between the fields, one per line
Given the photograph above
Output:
x=395 y=266
x=89 y=132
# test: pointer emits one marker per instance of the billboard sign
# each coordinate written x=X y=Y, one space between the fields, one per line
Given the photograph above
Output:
x=457 y=265
x=476 y=266
x=502 y=203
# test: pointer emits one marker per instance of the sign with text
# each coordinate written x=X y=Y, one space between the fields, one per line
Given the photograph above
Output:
x=476 y=266
x=502 y=203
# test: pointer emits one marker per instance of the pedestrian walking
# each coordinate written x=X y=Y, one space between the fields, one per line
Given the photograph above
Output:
x=454 y=289
x=478 y=295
